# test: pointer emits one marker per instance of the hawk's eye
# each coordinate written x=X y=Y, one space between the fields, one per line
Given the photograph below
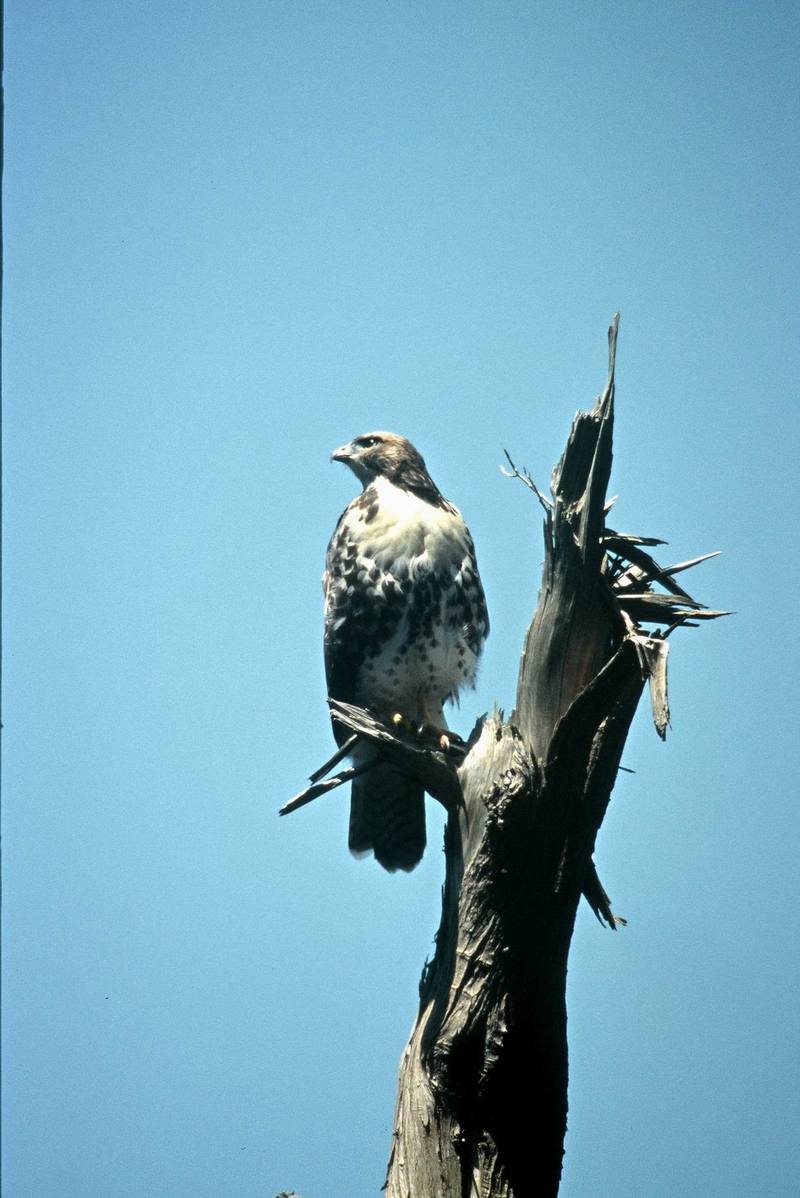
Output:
x=367 y=442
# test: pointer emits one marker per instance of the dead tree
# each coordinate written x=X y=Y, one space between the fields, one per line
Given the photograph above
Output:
x=482 y=1098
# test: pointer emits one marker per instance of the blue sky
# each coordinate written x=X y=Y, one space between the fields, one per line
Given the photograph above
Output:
x=237 y=235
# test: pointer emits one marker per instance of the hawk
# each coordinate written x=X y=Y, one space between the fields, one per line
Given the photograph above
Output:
x=405 y=621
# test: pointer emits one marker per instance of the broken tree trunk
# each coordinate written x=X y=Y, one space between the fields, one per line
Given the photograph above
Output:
x=482 y=1099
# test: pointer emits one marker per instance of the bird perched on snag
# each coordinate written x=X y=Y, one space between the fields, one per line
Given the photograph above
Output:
x=405 y=621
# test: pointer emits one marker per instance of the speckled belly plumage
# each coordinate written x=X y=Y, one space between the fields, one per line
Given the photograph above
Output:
x=405 y=615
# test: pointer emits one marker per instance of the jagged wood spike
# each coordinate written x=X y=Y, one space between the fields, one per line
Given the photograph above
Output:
x=598 y=900
x=320 y=788
x=650 y=567
x=630 y=538
x=653 y=653
x=338 y=756
x=695 y=561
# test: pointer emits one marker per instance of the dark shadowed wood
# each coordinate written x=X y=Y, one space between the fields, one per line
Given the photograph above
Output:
x=482 y=1097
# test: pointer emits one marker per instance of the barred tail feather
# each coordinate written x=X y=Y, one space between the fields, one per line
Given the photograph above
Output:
x=387 y=817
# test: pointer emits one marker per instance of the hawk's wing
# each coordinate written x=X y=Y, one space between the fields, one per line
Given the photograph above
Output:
x=363 y=609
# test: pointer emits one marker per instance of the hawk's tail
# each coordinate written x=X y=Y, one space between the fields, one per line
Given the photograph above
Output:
x=387 y=817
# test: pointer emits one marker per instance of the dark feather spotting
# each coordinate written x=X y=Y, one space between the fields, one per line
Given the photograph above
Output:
x=405 y=621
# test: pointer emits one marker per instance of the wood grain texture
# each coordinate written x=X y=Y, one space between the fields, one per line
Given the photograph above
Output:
x=482 y=1095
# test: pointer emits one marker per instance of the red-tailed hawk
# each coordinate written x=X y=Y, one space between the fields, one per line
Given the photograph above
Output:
x=405 y=620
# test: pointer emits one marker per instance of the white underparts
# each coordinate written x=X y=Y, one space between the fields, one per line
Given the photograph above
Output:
x=416 y=671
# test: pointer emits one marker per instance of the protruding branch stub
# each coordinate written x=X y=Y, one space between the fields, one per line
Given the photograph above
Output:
x=412 y=752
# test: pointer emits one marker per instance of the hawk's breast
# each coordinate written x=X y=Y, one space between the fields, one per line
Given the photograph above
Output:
x=405 y=609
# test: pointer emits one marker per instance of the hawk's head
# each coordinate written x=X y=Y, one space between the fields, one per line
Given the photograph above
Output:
x=387 y=455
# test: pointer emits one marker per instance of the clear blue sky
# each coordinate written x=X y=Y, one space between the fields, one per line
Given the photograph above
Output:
x=238 y=234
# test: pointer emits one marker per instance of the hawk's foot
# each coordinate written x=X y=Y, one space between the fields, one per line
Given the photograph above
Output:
x=401 y=722
x=446 y=740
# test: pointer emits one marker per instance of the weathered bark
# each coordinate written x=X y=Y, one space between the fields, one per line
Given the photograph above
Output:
x=482 y=1100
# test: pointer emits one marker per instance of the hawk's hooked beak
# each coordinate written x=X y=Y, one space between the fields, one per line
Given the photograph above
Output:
x=342 y=454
